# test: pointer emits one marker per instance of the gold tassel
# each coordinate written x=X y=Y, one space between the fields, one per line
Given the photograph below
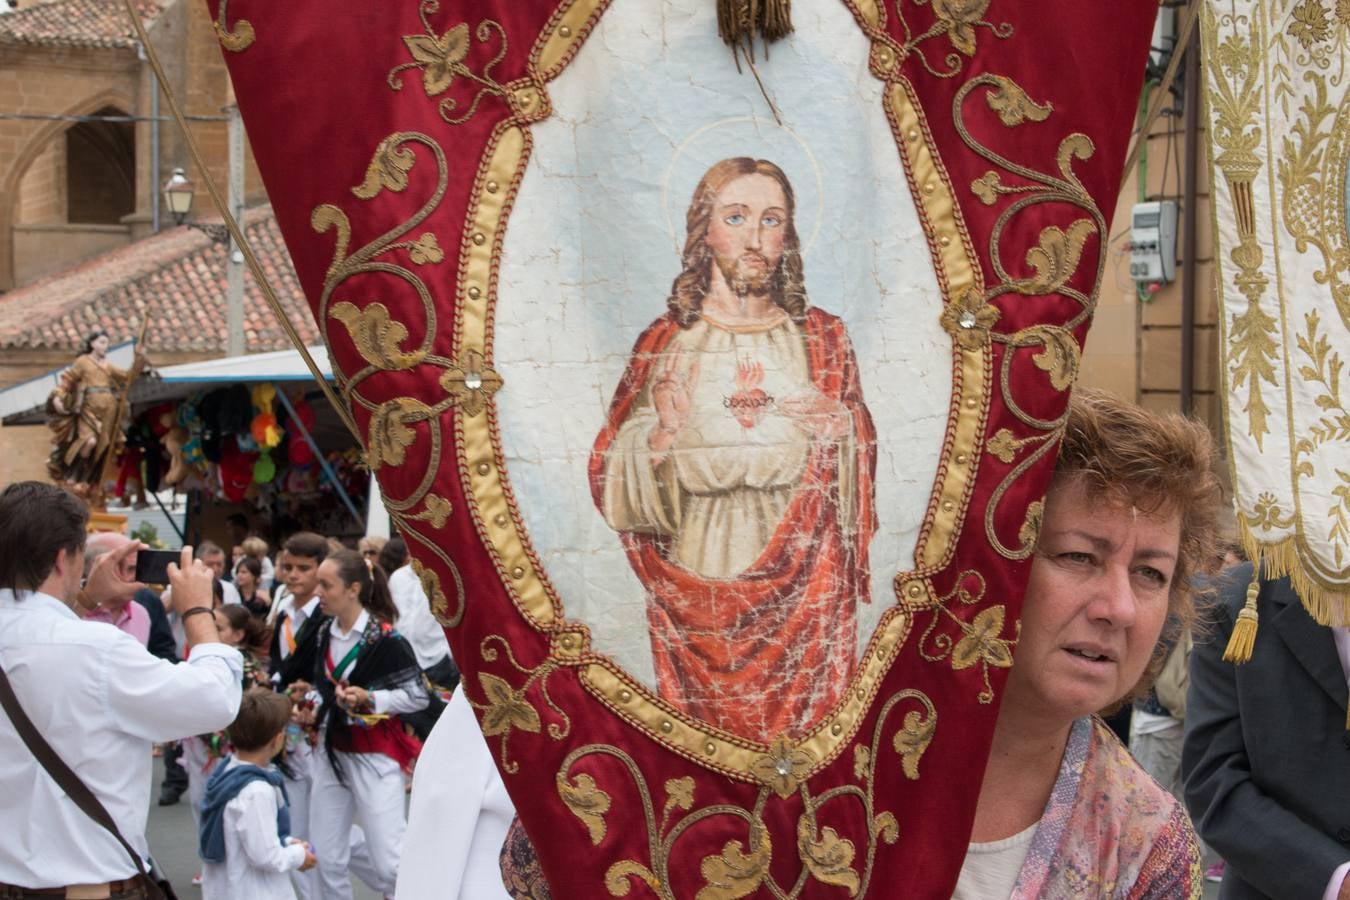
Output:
x=1243 y=640
x=777 y=19
x=739 y=21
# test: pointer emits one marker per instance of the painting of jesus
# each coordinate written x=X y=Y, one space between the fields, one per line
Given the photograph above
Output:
x=737 y=464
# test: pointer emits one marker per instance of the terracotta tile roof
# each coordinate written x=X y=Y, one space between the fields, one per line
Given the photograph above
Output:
x=182 y=273
x=74 y=23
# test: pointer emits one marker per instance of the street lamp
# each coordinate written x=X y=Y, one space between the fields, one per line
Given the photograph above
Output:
x=178 y=195
x=178 y=198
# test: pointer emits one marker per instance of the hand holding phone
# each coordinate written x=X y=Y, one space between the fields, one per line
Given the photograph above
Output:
x=152 y=566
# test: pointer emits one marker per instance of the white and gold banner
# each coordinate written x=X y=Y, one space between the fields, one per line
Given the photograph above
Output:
x=1278 y=95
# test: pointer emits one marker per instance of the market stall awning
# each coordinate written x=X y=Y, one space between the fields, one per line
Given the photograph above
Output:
x=23 y=403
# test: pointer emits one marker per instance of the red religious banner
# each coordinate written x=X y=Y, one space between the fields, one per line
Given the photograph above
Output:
x=715 y=394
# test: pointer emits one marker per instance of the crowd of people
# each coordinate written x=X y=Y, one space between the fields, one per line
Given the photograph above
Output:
x=292 y=697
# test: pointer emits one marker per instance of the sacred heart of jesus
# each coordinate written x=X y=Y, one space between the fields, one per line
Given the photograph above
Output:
x=714 y=394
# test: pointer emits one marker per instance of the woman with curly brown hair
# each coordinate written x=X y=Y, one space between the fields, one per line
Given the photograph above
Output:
x=1129 y=521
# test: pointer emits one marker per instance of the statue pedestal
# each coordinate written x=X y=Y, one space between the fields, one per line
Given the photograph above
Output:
x=102 y=520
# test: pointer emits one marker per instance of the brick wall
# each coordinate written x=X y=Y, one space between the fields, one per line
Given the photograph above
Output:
x=42 y=190
x=59 y=81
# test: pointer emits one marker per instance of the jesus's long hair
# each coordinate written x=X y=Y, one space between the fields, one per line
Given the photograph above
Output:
x=787 y=286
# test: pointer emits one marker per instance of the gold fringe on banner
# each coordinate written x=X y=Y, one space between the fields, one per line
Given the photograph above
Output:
x=1240 y=645
x=1280 y=559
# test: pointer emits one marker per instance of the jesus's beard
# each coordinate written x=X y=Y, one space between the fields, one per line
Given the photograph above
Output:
x=744 y=279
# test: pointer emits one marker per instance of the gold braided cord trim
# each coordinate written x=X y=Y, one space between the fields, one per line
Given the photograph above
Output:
x=236 y=232
x=1280 y=559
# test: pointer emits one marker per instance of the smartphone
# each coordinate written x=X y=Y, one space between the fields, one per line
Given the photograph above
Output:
x=152 y=566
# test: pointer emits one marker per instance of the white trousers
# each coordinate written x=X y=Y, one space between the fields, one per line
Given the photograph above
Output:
x=371 y=793
x=298 y=792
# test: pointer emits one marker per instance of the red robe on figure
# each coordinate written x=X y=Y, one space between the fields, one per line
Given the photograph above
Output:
x=785 y=631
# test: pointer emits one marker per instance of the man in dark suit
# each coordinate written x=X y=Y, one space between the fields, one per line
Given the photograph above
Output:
x=1266 y=758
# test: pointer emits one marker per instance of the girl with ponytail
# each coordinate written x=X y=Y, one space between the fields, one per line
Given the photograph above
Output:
x=367 y=676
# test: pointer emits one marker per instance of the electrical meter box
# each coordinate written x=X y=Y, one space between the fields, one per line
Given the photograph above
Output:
x=1153 y=241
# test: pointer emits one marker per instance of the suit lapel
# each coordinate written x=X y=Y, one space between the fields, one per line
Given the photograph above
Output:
x=1311 y=644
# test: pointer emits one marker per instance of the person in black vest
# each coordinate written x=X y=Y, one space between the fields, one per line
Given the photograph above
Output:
x=292 y=657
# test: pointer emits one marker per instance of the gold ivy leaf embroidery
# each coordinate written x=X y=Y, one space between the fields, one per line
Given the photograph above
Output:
x=327 y=216
x=426 y=249
x=982 y=643
x=886 y=827
x=1055 y=257
x=435 y=511
x=680 y=793
x=431 y=586
x=1059 y=358
x=986 y=187
x=829 y=859
x=506 y=708
x=912 y=740
x=1004 y=446
x=1031 y=525
x=735 y=873
x=616 y=877
x=1013 y=105
x=237 y=40
x=967 y=318
x=471 y=382
x=782 y=768
x=441 y=56
x=862 y=762
x=587 y=802
x=958 y=18
x=377 y=337
x=390 y=436
x=388 y=169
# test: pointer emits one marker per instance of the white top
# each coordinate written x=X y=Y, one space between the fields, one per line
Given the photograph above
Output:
x=455 y=857
x=256 y=864
x=229 y=595
x=393 y=701
x=100 y=699
x=990 y=870
x=415 y=621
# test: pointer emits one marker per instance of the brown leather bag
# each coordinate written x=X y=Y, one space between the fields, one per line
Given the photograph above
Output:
x=68 y=781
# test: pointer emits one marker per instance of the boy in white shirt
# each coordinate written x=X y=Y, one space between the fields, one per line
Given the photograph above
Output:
x=245 y=822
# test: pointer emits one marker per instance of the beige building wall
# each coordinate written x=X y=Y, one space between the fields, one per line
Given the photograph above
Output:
x=1134 y=347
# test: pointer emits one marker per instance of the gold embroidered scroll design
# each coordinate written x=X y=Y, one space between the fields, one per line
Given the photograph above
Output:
x=396 y=424
x=1323 y=371
x=236 y=39
x=959 y=21
x=506 y=708
x=980 y=641
x=742 y=866
x=442 y=61
x=1253 y=350
x=1051 y=264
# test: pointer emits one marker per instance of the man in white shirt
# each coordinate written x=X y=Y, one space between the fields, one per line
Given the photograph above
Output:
x=95 y=694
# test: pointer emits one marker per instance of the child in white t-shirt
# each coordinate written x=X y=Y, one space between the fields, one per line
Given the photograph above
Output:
x=244 y=833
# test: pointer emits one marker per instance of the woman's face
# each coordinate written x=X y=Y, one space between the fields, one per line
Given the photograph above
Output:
x=1095 y=604
x=335 y=598
x=228 y=635
x=99 y=345
x=243 y=580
